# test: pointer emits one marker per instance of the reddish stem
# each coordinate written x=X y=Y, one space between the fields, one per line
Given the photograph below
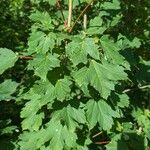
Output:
x=58 y=3
x=103 y=142
x=25 y=57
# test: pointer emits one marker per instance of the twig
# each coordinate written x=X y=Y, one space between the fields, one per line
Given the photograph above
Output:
x=142 y=87
x=69 y=13
x=99 y=133
x=85 y=21
x=84 y=10
x=25 y=57
x=103 y=142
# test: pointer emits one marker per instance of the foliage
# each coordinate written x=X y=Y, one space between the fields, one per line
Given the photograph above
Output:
x=72 y=83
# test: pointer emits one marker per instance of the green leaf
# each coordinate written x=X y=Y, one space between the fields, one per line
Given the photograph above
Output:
x=57 y=135
x=143 y=119
x=69 y=137
x=41 y=94
x=51 y=2
x=75 y=53
x=71 y=117
x=78 y=50
x=7 y=58
x=8 y=130
x=62 y=89
x=103 y=76
x=111 y=51
x=41 y=64
x=99 y=112
x=39 y=42
x=89 y=46
x=43 y=18
x=81 y=79
x=115 y=4
x=95 y=30
x=33 y=122
x=114 y=143
x=7 y=88
x=123 y=101
x=97 y=21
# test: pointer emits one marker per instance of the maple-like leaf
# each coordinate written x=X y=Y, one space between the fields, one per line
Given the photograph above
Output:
x=39 y=95
x=100 y=112
x=39 y=42
x=41 y=64
x=81 y=79
x=75 y=53
x=103 y=76
x=79 y=50
x=71 y=117
x=111 y=51
x=62 y=89
x=43 y=18
x=55 y=133
x=89 y=46
x=33 y=122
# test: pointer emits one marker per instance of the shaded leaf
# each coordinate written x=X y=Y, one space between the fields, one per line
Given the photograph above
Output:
x=7 y=88
x=7 y=59
x=41 y=64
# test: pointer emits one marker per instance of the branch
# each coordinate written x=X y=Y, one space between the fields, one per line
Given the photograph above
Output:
x=25 y=57
x=84 y=10
x=142 y=87
x=85 y=21
x=103 y=142
x=99 y=133
x=69 y=13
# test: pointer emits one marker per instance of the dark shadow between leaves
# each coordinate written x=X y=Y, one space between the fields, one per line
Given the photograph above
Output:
x=131 y=141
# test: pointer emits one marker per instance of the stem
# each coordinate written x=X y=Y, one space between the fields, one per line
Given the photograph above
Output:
x=85 y=21
x=142 y=87
x=103 y=142
x=99 y=133
x=25 y=57
x=70 y=13
x=84 y=10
